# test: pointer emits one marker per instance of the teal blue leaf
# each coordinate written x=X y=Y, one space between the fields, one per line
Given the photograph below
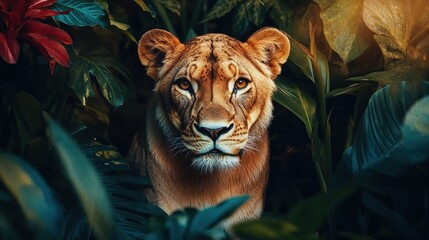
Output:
x=85 y=181
x=221 y=8
x=33 y=195
x=99 y=64
x=297 y=99
x=82 y=13
x=212 y=216
x=393 y=134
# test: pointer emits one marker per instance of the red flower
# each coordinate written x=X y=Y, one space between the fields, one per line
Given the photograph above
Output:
x=18 y=22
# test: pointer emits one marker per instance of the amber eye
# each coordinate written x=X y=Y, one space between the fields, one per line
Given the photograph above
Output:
x=184 y=84
x=241 y=83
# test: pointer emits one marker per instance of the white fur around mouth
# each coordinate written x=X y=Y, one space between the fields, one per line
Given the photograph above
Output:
x=215 y=161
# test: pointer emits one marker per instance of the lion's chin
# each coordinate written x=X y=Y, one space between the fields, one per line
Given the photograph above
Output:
x=215 y=161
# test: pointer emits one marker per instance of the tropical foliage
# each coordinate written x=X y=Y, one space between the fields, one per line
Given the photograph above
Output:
x=349 y=139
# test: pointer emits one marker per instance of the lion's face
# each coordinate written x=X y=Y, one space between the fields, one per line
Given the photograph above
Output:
x=215 y=92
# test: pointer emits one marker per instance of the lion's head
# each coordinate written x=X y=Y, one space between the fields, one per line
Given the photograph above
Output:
x=214 y=91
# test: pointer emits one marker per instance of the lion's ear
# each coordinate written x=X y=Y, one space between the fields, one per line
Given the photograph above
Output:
x=155 y=47
x=270 y=46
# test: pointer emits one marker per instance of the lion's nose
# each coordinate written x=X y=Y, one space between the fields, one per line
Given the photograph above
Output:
x=213 y=133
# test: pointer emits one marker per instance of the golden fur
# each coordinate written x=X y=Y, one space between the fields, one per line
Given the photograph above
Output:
x=205 y=137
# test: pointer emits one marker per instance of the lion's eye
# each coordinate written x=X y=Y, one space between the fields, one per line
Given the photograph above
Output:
x=184 y=84
x=241 y=83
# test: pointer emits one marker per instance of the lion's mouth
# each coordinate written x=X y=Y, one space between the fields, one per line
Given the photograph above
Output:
x=216 y=151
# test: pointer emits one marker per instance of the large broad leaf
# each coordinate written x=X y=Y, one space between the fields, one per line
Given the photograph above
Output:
x=393 y=135
x=100 y=65
x=304 y=219
x=344 y=28
x=401 y=28
x=85 y=181
x=82 y=13
x=297 y=99
x=33 y=195
x=221 y=8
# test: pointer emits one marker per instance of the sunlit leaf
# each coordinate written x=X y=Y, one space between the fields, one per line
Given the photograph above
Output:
x=297 y=99
x=100 y=65
x=221 y=8
x=172 y=5
x=344 y=27
x=85 y=181
x=144 y=7
x=400 y=27
x=34 y=196
x=82 y=13
x=393 y=134
x=404 y=71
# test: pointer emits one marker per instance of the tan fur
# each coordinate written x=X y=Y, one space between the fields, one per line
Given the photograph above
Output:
x=175 y=148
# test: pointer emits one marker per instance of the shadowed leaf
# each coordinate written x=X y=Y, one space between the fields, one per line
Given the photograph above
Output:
x=33 y=195
x=221 y=8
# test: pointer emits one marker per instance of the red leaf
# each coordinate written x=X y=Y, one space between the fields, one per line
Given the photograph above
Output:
x=33 y=26
x=4 y=5
x=48 y=47
x=19 y=7
x=40 y=3
x=42 y=13
x=9 y=47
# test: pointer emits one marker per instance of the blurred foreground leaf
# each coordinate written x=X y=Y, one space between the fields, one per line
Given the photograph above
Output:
x=42 y=212
x=221 y=8
x=85 y=181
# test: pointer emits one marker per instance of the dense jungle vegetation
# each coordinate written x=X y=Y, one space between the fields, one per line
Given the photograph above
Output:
x=349 y=140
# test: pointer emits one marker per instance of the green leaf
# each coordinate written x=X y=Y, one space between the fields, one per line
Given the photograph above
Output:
x=305 y=61
x=100 y=65
x=85 y=182
x=351 y=89
x=309 y=214
x=266 y=228
x=172 y=5
x=240 y=21
x=400 y=29
x=393 y=134
x=211 y=216
x=82 y=13
x=144 y=7
x=33 y=195
x=221 y=8
x=256 y=11
x=403 y=72
x=297 y=99
x=280 y=12
x=344 y=27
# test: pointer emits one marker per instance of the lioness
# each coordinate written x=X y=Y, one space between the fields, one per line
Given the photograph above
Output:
x=205 y=137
